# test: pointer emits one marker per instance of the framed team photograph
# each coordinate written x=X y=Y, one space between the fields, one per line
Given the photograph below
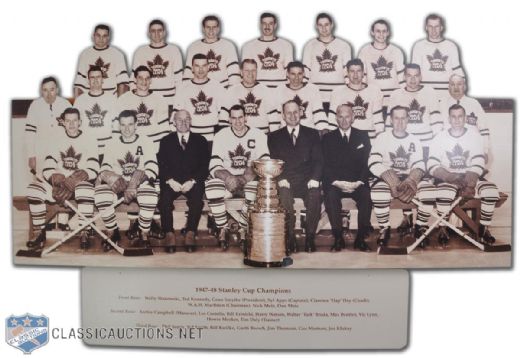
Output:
x=262 y=140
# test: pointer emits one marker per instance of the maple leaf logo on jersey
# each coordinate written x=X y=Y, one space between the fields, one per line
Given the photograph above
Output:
x=239 y=157
x=437 y=61
x=269 y=59
x=458 y=157
x=95 y=116
x=471 y=119
x=70 y=159
x=400 y=158
x=202 y=103
x=251 y=105
x=382 y=68
x=327 y=61
x=129 y=164
x=158 y=66
x=143 y=115
x=213 y=61
x=359 y=108
x=303 y=106
x=415 y=112
x=104 y=66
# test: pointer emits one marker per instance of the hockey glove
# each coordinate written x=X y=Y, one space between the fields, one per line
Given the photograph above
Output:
x=57 y=179
x=137 y=179
x=74 y=179
x=391 y=178
x=116 y=182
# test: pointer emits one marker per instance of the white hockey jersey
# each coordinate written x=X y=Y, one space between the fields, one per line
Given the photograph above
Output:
x=222 y=58
x=166 y=65
x=234 y=153
x=366 y=107
x=272 y=58
x=97 y=114
x=112 y=62
x=457 y=154
x=325 y=64
x=123 y=158
x=402 y=154
x=424 y=116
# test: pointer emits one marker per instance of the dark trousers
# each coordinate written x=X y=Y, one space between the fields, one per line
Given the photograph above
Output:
x=361 y=196
x=195 y=206
x=312 y=201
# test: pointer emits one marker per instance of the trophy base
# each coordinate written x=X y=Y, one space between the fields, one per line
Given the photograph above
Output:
x=287 y=261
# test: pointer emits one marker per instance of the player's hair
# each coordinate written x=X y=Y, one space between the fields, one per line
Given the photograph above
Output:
x=102 y=27
x=455 y=107
x=412 y=66
x=237 y=107
x=70 y=110
x=398 y=108
x=141 y=69
x=210 y=18
x=297 y=64
x=324 y=15
x=289 y=101
x=251 y=61
x=268 y=14
x=176 y=113
x=127 y=113
x=434 y=17
x=380 y=22
x=156 y=22
x=355 y=62
x=49 y=79
x=346 y=105
x=93 y=69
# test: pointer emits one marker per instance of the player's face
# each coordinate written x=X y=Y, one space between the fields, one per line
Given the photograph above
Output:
x=295 y=76
x=291 y=114
x=101 y=38
x=344 y=117
x=324 y=27
x=71 y=122
x=412 y=77
x=157 y=34
x=249 y=74
x=128 y=127
x=380 y=33
x=182 y=122
x=355 y=74
x=457 y=119
x=49 y=92
x=237 y=120
x=434 y=29
x=268 y=26
x=399 y=121
x=143 y=81
x=200 y=69
x=211 y=30
x=95 y=80
x=457 y=87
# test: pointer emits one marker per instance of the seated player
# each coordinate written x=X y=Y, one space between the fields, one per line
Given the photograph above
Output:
x=70 y=167
x=234 y=150
x=457 y=162
x=397 y=160
x=129 y=169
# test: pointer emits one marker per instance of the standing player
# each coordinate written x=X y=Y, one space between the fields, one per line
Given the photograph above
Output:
x=272 y=53
x=384 y=61
x=221 y=54
x=325 y=59
x=438 y=57
x=111 y=61
x=164 y=60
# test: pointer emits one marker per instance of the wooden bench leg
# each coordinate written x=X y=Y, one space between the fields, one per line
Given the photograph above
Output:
x=471 y=224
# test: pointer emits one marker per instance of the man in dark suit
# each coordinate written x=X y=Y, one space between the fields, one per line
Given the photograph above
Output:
x=345 y=174
x=183 y=167
x=300 y=148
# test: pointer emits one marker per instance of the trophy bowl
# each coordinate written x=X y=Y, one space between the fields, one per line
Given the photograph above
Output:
x=268 y=168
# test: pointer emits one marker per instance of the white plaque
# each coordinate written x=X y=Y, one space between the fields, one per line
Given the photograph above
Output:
x=246 y=309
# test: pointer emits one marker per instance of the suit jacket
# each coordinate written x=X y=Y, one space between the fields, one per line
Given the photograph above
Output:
x=345 y=161
x=183 y=165
x=303 y=161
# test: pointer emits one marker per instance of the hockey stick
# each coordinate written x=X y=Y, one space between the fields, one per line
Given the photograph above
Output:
x=482 y=246
x=384 y=250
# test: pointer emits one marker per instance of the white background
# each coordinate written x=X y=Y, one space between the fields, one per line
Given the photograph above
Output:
x=453 y=312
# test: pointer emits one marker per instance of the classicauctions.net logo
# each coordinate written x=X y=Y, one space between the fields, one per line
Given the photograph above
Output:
x=27 y=332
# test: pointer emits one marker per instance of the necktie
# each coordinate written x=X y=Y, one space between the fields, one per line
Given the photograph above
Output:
x=293 y=136
x=183 y=142
x=345 y=138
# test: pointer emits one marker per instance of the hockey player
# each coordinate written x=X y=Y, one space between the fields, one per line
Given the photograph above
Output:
x=325 y=59
x=258 y=101
x=475 y=115
x=397 y=160
x=129 y=169
x=43 y=120
x=312 y=113
x=202 y=97
x=111 y=60
x=97 y=108
x=438 y=57
x=384 y=61
x=234 y=150
x=272 y=53
x=221 y=54
x=457 y=162
x=365 y=100
x=164 y=60
x=71 y=165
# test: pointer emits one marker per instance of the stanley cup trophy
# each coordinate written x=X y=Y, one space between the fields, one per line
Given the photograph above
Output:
x=266 y=244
